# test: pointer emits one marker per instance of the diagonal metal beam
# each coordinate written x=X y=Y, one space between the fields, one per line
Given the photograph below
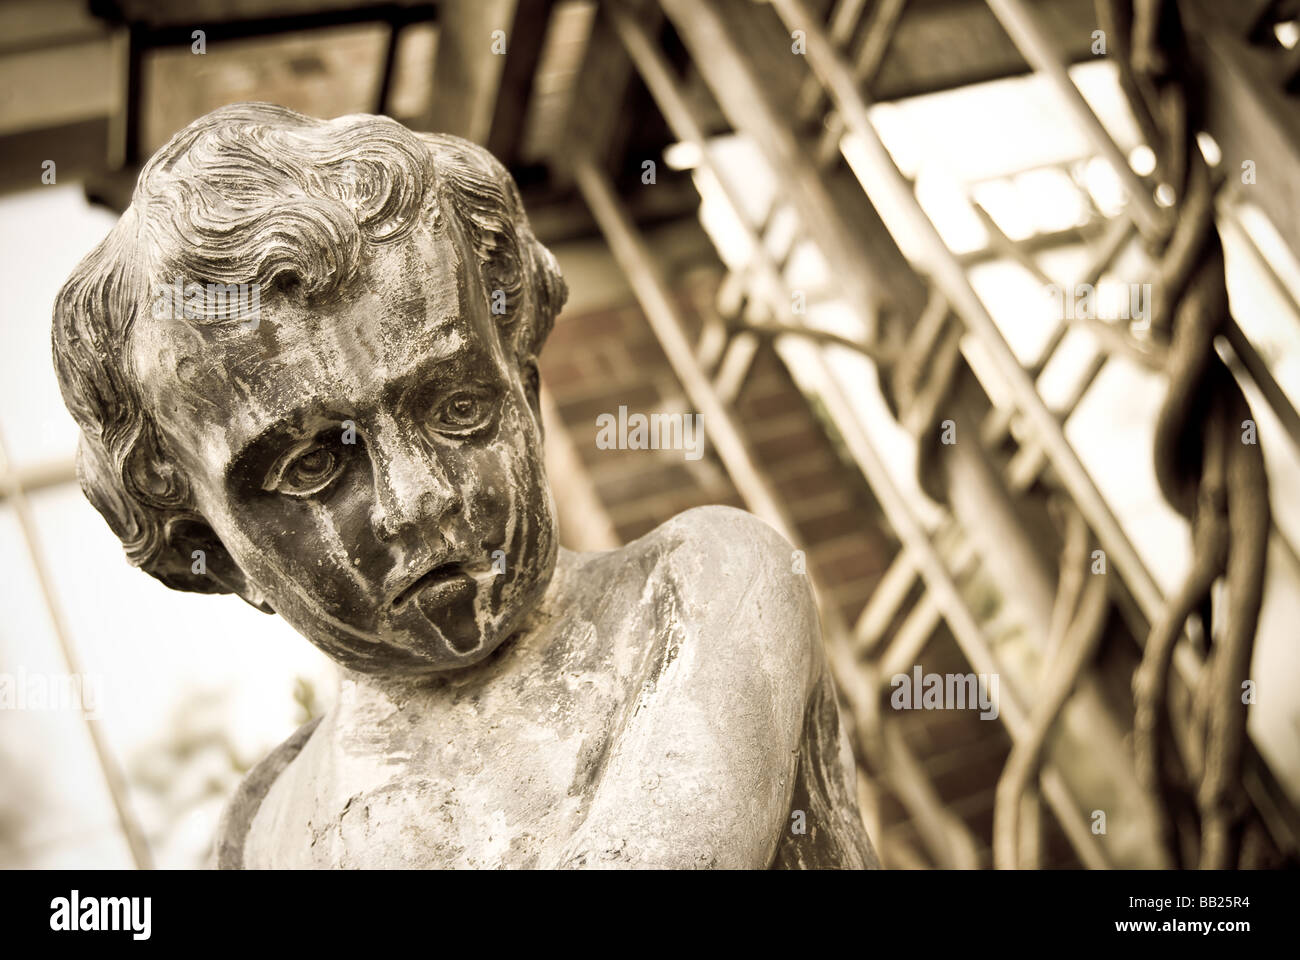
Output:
x=731 y=77
x=114 y=779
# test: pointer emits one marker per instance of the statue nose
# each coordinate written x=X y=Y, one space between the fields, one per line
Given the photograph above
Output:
x=411 y=490
x=392 y=515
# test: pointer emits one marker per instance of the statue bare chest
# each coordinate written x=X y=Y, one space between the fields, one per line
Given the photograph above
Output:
x=495 y=778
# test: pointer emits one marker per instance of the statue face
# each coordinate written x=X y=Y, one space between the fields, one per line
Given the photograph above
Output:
x=372 y=466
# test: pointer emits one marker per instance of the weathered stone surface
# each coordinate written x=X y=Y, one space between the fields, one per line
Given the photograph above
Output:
x=363 y=457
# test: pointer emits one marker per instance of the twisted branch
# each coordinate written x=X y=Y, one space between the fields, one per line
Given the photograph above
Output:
x=1077 y=622
x=1205 y=469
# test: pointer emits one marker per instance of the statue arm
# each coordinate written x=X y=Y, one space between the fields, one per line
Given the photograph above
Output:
x=702 y=771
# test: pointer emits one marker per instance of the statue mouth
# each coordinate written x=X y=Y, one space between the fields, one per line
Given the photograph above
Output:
x=446 y=597
x=441 y=584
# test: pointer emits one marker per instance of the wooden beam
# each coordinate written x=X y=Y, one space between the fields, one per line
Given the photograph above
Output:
x=27 y=25
x=468 y=67
x=596 y=114
x=707 y=31
x=952 y=43
x=78 y=148
x=584 y=522
x=526 y=35
x=1251 y=118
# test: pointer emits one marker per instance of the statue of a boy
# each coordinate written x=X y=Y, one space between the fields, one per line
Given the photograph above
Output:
x=304 y=364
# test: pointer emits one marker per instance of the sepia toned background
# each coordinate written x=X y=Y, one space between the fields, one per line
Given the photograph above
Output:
x=747 y=200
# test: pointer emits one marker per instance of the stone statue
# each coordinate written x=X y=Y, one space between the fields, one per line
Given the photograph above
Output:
x=304 y=364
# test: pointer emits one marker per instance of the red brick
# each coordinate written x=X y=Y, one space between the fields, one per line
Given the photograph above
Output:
x=791 y=423
x=831 y=525
x=755 y=406
x=648 y=479
x=581 y=415
x=789 y=446
x=588 y=325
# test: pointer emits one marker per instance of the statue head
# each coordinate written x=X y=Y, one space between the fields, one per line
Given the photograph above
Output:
x=304 y=365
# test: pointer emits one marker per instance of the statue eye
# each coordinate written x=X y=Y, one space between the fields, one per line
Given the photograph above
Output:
x=463 y=413
x=306 y=471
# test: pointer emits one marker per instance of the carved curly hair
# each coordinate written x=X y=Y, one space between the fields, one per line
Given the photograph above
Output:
x=256 y=193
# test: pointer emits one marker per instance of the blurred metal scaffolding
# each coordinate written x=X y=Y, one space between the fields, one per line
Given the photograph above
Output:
x=905 y=314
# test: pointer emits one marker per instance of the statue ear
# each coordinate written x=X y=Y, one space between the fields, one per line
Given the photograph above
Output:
x=201 y=563
x=533 y=388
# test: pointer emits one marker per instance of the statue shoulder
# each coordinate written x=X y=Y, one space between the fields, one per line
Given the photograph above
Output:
x=715 y=551
x=741 y=583
x=726 y=535
x=232 y=832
